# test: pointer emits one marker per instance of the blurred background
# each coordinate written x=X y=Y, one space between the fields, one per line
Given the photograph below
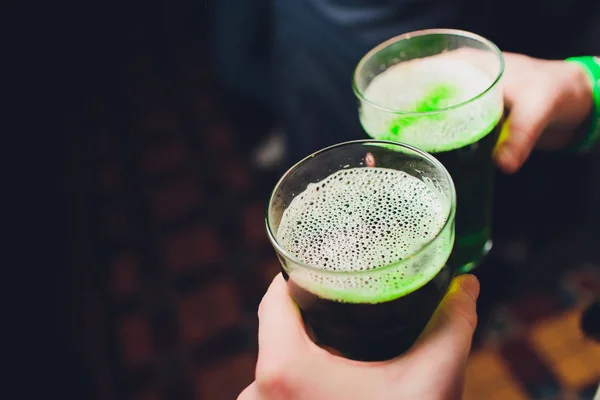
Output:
x=164 y=145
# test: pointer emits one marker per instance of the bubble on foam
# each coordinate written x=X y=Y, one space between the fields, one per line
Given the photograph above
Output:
x=429 y=84
x=360 y=220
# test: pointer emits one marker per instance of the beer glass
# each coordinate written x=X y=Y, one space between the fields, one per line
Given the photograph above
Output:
x=363 y=231
x=438 y=90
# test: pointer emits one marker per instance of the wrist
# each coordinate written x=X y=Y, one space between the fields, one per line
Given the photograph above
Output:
x=585 y=92
x=586 y=81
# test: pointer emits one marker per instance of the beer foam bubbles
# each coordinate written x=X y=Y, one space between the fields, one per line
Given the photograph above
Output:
x=419 y=87
x=362 y=228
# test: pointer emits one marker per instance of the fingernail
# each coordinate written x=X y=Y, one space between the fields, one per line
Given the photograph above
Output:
x=506 y=153
x=469 y=284
x=507 y=157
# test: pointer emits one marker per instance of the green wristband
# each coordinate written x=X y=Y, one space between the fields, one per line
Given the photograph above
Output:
x=591 y=65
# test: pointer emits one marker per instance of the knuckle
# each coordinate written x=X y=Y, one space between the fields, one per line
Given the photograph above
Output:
x=273 y=384
x=523 y=135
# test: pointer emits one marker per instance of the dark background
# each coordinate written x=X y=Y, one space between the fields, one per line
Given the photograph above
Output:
x=139 y=216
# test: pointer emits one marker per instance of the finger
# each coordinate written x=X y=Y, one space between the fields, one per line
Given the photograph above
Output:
x=449 y=333
x=290 y=366
x=250 y=393
x=370 y=160
x=529 y=115
x=281 y=334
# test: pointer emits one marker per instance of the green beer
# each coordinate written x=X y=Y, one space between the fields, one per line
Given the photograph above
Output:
x=363 y=231
x=445 y=102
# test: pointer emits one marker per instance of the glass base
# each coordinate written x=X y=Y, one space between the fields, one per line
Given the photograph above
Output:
x=470 y=266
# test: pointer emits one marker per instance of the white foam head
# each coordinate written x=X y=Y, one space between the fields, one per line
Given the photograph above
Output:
x=370 y=221
x=434 y=83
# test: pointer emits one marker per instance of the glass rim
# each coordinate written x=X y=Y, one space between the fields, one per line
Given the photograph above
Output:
x=437 y=31
x=451 y=214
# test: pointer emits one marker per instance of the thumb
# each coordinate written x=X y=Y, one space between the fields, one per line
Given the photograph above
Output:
x=250 y=393
x=447 y=337
x=281 y=334
x=530 y=113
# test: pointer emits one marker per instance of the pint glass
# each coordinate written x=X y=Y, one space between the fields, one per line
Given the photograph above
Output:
x=438 y=90
x=363 y=231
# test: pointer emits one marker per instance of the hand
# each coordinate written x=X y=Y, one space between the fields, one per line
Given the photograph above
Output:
x=291 y=367
x=548 y=103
